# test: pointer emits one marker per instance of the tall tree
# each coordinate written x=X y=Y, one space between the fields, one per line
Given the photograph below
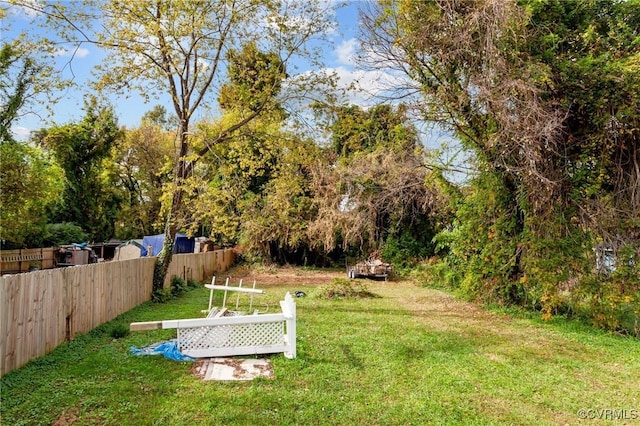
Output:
x=29 y=180
x=144 y=160
x=81 y=150
x=252 y=189
x=30 y=183
x=545 y=93
x=375 y=189
x=18 y=74
x=178 y=48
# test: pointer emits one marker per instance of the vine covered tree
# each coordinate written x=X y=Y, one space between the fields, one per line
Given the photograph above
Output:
x=253 y=189
x=374 y=194
x=545 y=94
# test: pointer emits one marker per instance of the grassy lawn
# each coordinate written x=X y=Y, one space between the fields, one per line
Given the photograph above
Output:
x=410 y=356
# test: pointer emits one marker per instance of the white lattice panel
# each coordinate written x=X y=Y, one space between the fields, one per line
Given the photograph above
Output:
x=232 y=335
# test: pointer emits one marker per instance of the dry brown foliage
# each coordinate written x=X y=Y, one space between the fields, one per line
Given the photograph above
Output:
x=356 y=201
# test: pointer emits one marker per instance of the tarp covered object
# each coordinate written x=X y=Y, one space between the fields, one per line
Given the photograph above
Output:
x=168 y=349
x=182 y=244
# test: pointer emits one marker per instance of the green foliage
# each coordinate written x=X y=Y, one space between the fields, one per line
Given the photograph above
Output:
x=158 y=292
x=411 y=244
x=545 y=94
x=81 y=149
x=63 y=233
x=30 y=182
x=482 y=245
x=18 y=74
x=143 y=161
x=355 y=130
x=255 y=80
x=119 y=330
x=254 y=188
x=605 y=303
x=178 y=285
x=610 y=300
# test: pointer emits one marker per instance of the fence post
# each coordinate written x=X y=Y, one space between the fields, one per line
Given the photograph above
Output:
x=289 y=311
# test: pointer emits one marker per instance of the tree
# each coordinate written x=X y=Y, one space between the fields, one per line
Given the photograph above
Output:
x=178 y=48
x=545 y=93
x=253 y=189
x=29 y=180
x=143 y=159
x=16 y=90
x=81 y=150
x=375 y=192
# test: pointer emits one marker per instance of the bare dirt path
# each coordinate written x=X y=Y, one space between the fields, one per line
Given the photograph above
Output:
x=286 y=275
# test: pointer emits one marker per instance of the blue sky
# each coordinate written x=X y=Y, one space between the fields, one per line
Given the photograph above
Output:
x=338 y=58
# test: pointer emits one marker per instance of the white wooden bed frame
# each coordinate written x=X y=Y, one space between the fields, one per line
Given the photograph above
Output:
x=218 y=335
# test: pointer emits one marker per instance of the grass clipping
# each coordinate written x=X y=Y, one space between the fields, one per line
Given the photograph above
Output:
x=342 y=288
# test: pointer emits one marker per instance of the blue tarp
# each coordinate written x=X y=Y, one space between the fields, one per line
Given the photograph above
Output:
x=168 y=349
x=182 y=244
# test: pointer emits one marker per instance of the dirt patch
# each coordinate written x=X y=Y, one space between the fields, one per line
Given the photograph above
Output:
x=68 y=417
x=266 y=276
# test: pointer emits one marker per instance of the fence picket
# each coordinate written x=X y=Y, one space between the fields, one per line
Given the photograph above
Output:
x=39 y=310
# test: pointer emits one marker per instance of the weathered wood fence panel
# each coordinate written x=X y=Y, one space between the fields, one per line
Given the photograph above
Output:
x=198 y=266
x=24 y=260
x=42 y=309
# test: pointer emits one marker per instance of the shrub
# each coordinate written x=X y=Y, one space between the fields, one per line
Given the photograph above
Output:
x=119 y=330
x=57 y=234
x=178 y=285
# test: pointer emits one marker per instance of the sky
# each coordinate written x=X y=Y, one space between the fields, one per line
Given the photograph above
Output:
x=339 y=58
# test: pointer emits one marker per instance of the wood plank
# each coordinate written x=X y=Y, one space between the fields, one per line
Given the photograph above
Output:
x=220 y=313
x=238 y=289
x=241 y=319
x=144 y=326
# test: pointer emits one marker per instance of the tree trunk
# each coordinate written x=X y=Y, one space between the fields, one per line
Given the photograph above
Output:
x=170 y=229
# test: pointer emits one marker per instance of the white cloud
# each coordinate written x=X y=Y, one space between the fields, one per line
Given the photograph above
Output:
x=354 y=86
x=21 y=133
x=346 y=52
x=368 y=87
x=80 y=52
x=204 y=64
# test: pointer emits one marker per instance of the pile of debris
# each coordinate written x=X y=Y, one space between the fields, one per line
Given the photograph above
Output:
x=372 y=268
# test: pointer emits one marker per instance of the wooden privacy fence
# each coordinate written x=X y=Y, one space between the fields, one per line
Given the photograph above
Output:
x=42 y=309
x=198 y=266
x=25 y=260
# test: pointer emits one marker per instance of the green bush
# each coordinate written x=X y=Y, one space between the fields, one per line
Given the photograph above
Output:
x=119 y=330
x=178 y=285
x=162 y=295
x=57 y=234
